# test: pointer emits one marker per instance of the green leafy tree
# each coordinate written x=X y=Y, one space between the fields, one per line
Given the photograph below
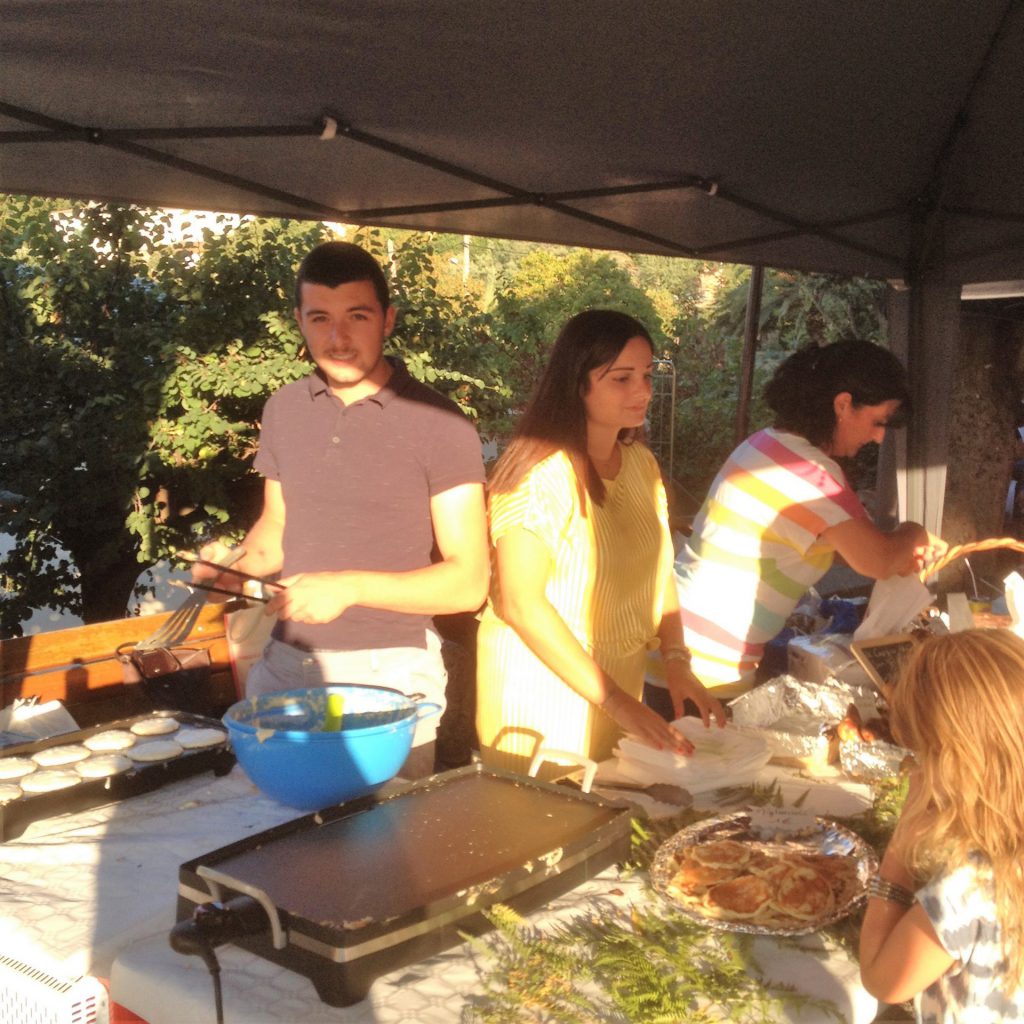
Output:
x=550 y=286
x=134 y=369
x=800 y=309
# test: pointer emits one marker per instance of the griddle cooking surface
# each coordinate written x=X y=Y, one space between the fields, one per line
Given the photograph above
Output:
x=415 y=848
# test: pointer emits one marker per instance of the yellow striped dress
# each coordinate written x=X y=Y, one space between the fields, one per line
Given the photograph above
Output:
x=610 y=567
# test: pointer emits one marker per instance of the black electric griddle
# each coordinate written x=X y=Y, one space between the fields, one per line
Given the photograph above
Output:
x=359 y=890
x=142 y=777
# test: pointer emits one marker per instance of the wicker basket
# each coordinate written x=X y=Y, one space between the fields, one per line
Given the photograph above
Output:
x=959 y=550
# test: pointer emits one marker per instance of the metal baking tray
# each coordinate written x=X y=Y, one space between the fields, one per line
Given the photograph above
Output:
x=358 y=890
x=21 y=812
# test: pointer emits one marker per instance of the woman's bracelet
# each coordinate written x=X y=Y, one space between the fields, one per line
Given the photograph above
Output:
x=889 y=891
x=677 y=654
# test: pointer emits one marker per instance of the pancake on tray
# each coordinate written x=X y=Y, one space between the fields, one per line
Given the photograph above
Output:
x=693 y=879
x=109 y=742
x=803 y=897
x=155 y=726
x=67 y=753
x=761 y=884
x=16 y=767
x=739 y=899
x=101 y=766
x=49 y=779
x=723 y=853
x=195 y=739
x=155 y=750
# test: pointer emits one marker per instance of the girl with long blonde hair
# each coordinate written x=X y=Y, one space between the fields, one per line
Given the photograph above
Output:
x=945 y=915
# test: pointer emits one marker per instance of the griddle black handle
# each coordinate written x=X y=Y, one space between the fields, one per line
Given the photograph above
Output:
x=213 y=924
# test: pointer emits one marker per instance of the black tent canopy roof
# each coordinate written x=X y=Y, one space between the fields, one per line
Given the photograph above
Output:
x=878 y=138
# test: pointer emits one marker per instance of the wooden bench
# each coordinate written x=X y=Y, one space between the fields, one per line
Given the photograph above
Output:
x=80 y=668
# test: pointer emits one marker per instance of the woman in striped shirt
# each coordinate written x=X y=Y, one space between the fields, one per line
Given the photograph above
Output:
x=582 y=582
x=781 y=508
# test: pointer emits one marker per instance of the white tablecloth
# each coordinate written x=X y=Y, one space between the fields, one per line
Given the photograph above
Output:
x=95 y=893
x=76 y=889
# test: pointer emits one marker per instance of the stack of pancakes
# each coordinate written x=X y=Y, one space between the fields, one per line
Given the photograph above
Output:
x=761 y=883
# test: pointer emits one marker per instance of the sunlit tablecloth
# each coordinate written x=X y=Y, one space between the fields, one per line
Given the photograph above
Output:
x=76 y=889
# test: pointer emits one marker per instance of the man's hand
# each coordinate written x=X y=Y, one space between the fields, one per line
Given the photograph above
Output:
x=217 y=551
x=316 y=596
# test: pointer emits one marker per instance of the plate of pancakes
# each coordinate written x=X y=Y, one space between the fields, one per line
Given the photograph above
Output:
x=747 y=872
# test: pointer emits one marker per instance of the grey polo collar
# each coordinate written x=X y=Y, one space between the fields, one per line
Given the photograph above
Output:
x=397 y=383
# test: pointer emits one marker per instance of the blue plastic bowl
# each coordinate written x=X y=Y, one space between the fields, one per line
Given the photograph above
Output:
x=279 y=741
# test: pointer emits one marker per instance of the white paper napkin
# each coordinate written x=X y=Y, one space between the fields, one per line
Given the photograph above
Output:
x=722 y=757
x=1014 y=588
x=894 y=603
x=37 y=721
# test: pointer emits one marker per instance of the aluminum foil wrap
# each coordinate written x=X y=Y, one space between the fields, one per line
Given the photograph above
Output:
x=871 y=761
x=772 y=831
x=793 y=714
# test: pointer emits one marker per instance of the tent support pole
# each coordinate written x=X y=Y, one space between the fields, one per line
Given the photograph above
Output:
x=750 y=331
x=924 y=331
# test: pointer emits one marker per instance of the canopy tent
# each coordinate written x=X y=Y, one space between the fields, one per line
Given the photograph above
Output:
x=869 y=138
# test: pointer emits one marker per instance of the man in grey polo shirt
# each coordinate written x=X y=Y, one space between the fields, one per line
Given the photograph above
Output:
x=373 y=506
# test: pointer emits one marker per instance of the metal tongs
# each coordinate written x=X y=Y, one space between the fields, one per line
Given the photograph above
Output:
x=179 y=625
x=225 y=568
x=663 y=792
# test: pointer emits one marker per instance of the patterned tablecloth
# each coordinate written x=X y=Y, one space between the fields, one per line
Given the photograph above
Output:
x=94 y=893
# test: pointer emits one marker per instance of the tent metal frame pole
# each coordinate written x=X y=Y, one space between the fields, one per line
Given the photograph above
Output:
x=750 y=333
x=873 y=217
x=331 y=126
x=930 y=235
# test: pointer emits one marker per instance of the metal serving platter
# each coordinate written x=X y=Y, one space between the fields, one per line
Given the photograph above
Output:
x=357 y=890
x=774 y=834
x=142 y=777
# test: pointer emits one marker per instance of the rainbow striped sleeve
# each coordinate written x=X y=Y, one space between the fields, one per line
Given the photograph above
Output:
x=755 y=549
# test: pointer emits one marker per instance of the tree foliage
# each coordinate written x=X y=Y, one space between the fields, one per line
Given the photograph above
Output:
x=440 y=333
x=548 y=287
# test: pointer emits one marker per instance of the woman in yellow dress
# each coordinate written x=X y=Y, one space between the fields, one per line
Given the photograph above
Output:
x=582 y=581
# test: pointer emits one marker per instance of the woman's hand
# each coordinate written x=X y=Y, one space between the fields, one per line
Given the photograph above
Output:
x=879 y=554
x=646 y=725
x=683 y=685
x=929 y=550
x=926 y=548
